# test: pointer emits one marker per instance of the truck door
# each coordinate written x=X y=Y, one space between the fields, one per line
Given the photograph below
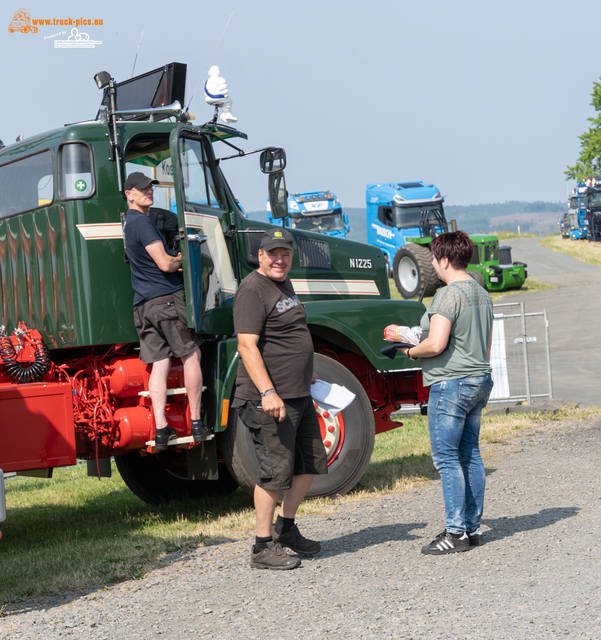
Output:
x=209 y=279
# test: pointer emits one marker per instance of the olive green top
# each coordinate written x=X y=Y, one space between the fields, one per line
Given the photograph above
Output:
x=469 y=308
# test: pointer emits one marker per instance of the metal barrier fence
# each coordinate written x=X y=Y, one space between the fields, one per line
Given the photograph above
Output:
x=520 y=355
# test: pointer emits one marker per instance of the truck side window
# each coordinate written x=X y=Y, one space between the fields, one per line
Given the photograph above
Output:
x=385 y=216
x=199 y=182
x=152 y=157
x=476 y=255
x=76 y=179
x=26 y=184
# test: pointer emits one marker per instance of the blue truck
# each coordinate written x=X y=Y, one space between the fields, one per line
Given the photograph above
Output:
x=397 y=211
x=317 y=211
x=577 y=210
x=402 y=220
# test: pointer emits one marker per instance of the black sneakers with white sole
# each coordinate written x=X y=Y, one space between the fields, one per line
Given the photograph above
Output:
x=476 y=538
x=447 y=543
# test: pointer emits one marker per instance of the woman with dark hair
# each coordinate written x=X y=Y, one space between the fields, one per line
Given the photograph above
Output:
x=455 y=361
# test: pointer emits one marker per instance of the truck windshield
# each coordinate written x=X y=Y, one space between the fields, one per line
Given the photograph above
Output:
x=319 y=224
x=410 y=217
x=577 y=203
x=594 y=200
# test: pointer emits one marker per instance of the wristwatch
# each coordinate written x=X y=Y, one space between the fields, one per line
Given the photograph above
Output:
x=410 y=358
x=266 y=393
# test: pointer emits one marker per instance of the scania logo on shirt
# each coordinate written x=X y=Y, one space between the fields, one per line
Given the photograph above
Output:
x=284 y=305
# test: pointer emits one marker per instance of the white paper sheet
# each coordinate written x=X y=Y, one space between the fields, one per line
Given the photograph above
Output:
x=331 y=397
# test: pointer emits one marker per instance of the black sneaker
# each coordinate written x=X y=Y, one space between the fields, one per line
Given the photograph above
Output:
x=295 y=540
x=200 y=431
x=164 y=437
x=447 y=543
x=273 y=557
x=476 y=538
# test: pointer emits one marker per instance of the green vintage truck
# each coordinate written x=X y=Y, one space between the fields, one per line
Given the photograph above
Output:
x=71 y=384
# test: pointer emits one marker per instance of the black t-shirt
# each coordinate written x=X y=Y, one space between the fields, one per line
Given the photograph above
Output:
x=271 y=310
x=147 y=280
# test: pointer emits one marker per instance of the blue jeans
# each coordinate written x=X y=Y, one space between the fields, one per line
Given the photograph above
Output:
x=454 y=412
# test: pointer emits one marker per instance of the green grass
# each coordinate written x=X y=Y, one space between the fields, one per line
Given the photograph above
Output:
x=509 y=235
x=529 y=285
x=589 y=252
x=75 y=532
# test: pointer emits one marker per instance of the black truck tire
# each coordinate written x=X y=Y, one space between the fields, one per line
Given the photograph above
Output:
x=413 y=271
x=478 y=277
x=154 y=484
x=346 y=464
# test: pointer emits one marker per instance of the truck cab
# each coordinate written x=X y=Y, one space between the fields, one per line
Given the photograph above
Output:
x=317 y=211
x=577 y=203
x=395 y=211
x=594 y=213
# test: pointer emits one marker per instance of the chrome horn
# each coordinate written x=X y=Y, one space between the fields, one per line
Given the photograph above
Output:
x=173 y=109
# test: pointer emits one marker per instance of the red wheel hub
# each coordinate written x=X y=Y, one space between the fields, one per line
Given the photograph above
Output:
x=332 y=432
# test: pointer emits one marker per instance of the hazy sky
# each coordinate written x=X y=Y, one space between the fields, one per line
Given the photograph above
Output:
x=486 y=100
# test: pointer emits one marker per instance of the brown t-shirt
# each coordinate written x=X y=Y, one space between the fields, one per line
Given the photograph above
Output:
x=271 y=310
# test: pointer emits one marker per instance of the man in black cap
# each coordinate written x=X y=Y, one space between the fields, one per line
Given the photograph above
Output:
x=273 y=399
x=160 y=310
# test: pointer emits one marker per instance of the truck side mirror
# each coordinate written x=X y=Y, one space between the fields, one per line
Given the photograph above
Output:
x=278 y=196
x=273 y=160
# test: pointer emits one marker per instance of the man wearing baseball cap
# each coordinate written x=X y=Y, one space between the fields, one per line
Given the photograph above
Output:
x=160 y=310
x=273 y=399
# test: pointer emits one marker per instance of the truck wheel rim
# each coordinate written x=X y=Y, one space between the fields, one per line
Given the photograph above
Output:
x=332 y=432
x=408 y=274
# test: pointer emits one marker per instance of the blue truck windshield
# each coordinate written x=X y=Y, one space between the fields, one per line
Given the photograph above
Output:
x=410 y=217
x=319 y=224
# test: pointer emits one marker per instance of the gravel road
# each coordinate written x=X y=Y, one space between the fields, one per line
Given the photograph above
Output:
x=537 y=576
x=574 y=311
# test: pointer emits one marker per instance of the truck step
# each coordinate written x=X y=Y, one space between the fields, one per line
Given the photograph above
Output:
x=181 y=441
x=178 y=391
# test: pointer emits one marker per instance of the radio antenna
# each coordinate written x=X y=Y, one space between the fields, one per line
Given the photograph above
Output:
x=209 y=62
x=137 y=50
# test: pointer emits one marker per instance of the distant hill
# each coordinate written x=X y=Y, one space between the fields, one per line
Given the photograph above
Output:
x=531 y=217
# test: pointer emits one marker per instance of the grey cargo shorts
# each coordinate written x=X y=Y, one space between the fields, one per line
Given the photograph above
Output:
x=162 y=325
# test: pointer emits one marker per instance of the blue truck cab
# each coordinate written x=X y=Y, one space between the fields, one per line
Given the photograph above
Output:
x=317 y=211
x=578 y=221
x=395 y=211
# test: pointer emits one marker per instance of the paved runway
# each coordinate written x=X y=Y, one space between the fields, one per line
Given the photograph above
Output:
x=574 y=318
